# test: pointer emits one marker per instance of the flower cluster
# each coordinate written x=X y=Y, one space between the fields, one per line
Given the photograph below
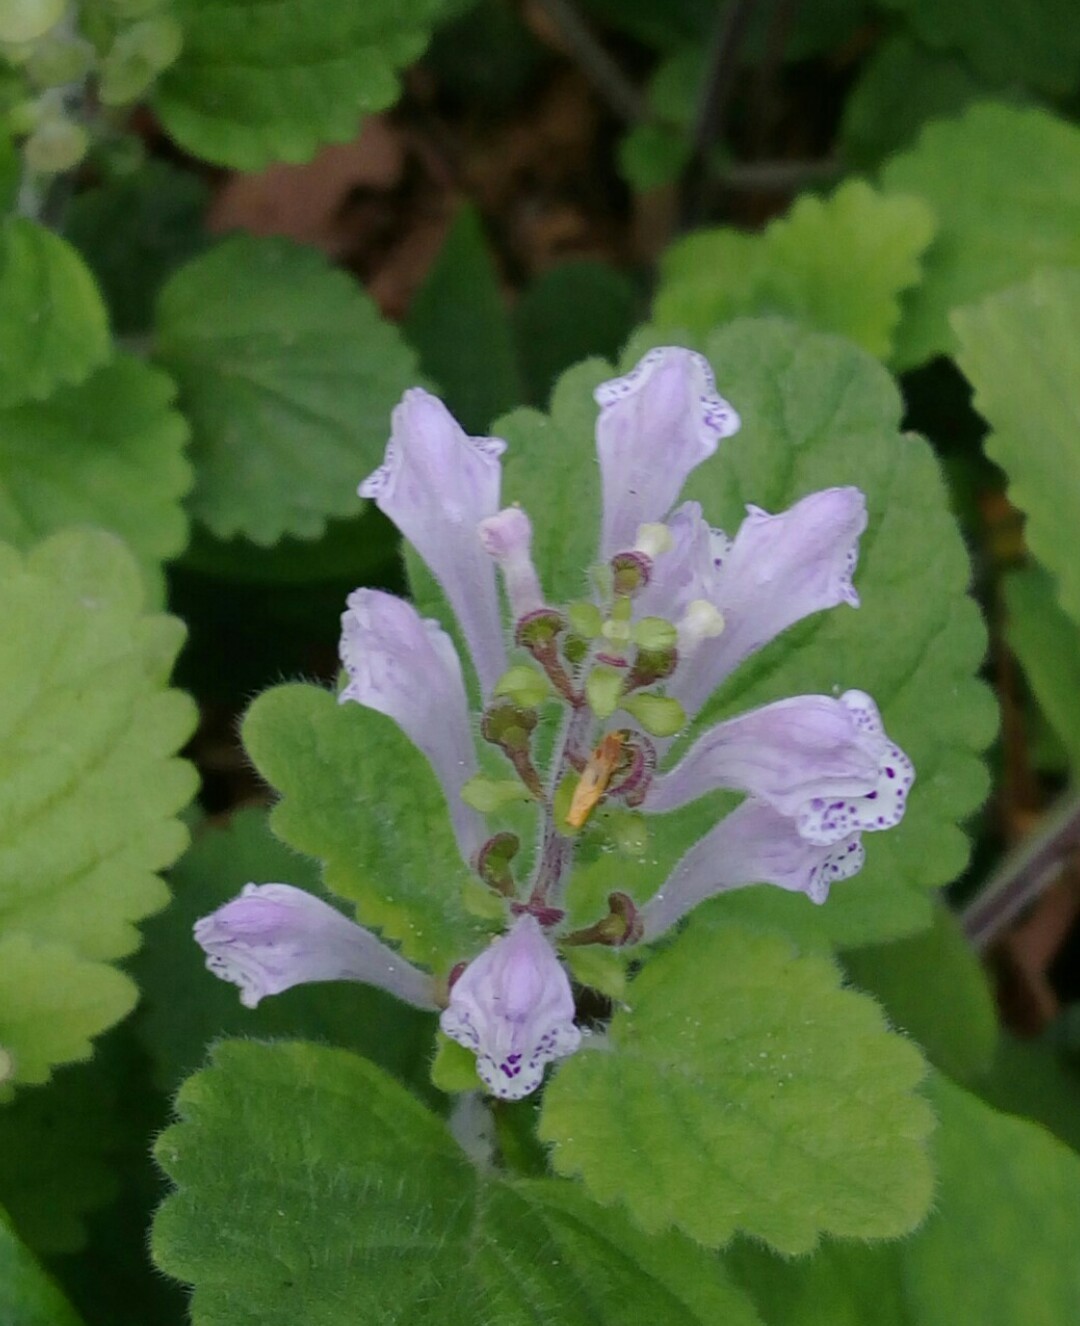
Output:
x=675 y=607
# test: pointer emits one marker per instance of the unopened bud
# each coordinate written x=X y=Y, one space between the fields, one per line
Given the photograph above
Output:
x=701 y=621
x=654 y=633
x=27 y=20
x=493 y=862
x=659 y=715
x=490 y=794
x=526 y=686
x=55 y=145
x=603 y=688
x=630 y=571
x=653 y=539
x=585 y=619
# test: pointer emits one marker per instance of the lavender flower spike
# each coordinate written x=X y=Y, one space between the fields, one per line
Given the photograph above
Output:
x=755 y=844
x=407 y=668
x=776 y=571
x=513 y=1007
x=273 y=937
x=507 y=537
x=825 y=763
x=656 y=424
x=436 y=485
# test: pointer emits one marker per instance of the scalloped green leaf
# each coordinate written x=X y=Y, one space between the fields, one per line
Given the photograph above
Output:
x=287 y=375
x=999 y=1248
x=55 y=330
x=1020 y=350
x=89 y=788
x=838 y=264
x=1005 y=185
x=934 y=987
x=360 y=798
x=1035 y=42
x=1047 y=643
x=815 y=412
x=184 y=1007
x=108 y=452
x=28 y=1297
x=258 y=82
x=370 y=1201
x=743 y=1088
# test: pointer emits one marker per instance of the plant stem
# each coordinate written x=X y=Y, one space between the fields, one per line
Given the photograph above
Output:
x=595 y=63
x=1025 y=874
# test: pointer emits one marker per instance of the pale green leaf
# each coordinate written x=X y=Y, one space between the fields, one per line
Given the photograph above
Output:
x=359 y=797
x=1036 y=42
x=331 y=1188
x=1047 y=643
x=89 y=787
x=838 y=265
x=458 y=323
x=743 y=1089
x=998 y=1249
x=934 y=988
x=28 y=1297
x=108 y=452
x=257 y=83
x=184 y=1007
x=54 y=328
x=288 y=377
x=1020 y=350
x=1005 y=185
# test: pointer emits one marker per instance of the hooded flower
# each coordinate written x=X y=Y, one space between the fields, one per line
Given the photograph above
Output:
x=513 y=1007
x=273 y=937
x=675 y=608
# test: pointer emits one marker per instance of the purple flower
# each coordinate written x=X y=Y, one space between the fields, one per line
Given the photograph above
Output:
x=513 y=1007
x=407 y=668
x=273 y=937
x=826 y=764
x=755 y=844
x=656 y=425
x=436 y=485
x=507 y=538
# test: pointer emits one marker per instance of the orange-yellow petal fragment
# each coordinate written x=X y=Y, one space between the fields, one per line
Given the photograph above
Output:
x=594 y=779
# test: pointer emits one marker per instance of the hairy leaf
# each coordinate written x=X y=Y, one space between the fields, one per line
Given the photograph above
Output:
x=1047 y=643
x=837 y=265
x=743 y=1089
x=1005 y=185
x=1020 y=349
x=288 y=377
x=54 y=328
x=340 y=1189
x=257 y=83
x=89 y=788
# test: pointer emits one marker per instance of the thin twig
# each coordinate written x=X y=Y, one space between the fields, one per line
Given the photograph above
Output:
x=1025 y=874
x=779 y=176
x=596 y=64
x=722 y=68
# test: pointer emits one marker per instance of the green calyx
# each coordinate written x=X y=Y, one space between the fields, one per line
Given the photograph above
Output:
x=603 y=689
x=659 y=715
x=490 y=794
x=524 y=685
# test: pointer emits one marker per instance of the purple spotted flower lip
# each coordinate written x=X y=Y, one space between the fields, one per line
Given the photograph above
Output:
x=675 y=608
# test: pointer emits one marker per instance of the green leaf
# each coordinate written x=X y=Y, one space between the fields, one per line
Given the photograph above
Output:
x=459 y=325
x=89 y=788
x=838 y=264
x=1020 y=350
x=54 y=329
x=369 y=1201
x=999 y=1248
x=934 y=987
x=108 y=452
x=184 y=1007
x=571 y=311
x=652 y=155
x=288 y=377
x=1005 y=185
x=1047 y=643
x=766 y=1099
x=28 y=1296
x=256 y=84
x=1036 y=42
x=1032 y=1079
x=134 y=232
x=901 y=86
x=357 y=795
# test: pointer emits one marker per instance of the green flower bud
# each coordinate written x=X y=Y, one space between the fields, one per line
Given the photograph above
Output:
x=27 y=20
x=585 y=619
x=603 y=688
x=658 y=714
x=58 y=61
x=602 y=969
x=525 y=685
x=55 y=145
x=655 y=633
x=490 y=794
